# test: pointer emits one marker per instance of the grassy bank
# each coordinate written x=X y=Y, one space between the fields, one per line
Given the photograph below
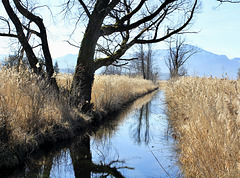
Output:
x=32 y=114
x=204 y=113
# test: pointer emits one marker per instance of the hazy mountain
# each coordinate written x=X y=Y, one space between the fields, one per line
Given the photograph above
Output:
x=203 y=63
x=200 y=64
x=66 y=62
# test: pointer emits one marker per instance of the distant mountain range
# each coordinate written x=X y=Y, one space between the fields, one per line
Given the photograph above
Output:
x=203 y=63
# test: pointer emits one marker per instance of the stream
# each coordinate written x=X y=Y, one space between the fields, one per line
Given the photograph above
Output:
x=135 y=143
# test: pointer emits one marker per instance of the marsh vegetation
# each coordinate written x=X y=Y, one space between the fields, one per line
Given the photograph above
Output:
x=204 y=113
x=32 y=113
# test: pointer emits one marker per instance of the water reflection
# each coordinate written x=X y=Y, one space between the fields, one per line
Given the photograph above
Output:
x=84 y=166
x=118 y=148
x=140 y=129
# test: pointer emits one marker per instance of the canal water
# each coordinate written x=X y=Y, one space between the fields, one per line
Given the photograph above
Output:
x=136 y=143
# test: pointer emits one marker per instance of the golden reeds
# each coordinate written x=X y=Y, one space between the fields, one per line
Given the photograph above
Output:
x=110 y=92
x=205 y=115
x=31 y=113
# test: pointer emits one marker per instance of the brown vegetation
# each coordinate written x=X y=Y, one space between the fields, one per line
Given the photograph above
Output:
x=204 y=113
x=32 y=114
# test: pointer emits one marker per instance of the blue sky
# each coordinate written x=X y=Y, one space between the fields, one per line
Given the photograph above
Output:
x=218 y=26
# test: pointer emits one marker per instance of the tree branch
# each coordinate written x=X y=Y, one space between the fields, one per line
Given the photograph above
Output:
x=20 y=35
x=228 y=1
x=43 y=35
x=85 y=8
x=8 y=35
x=119 y=27
x=173 y=32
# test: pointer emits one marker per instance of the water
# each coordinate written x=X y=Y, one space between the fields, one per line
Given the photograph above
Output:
x=136 y=143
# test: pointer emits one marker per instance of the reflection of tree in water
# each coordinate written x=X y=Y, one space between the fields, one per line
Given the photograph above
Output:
x=140 y=129
x=108 y=163
x=84 y=166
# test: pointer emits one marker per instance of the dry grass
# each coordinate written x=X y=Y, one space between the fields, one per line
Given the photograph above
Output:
x=110 y=92
x=31 y=113
x=205 y=114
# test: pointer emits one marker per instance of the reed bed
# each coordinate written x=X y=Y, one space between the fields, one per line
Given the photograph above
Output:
x=31 y=113
x=110 y=92
x=205 y=116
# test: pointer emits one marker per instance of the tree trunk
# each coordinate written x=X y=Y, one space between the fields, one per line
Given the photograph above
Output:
x=84 y=73
x=21 y=36
x=83 y=78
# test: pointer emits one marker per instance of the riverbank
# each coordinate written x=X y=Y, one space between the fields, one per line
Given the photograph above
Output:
x=32 y=114
x=204 y=114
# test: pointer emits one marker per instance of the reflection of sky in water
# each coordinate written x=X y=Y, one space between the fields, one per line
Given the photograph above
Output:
x=132 y=147
x=62 y=167
x=122 y=147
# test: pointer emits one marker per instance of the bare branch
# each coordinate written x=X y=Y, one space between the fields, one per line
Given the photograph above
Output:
x=118 y=27
x=176 y=31
x=85 y=8
x=43 y=34
x=8 y=35
x=230 y=1
x=72 y=44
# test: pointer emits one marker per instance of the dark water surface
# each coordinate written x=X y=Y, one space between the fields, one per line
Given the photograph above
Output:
x=136 y=143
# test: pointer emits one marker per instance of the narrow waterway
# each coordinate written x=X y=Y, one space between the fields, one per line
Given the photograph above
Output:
x=136 y=143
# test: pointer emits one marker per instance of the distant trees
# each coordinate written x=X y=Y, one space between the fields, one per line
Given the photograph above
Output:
x=18 y=61
x=143 y=64
x=13 y=61
x=113 y=26
x=179 y=53
x=56 y=68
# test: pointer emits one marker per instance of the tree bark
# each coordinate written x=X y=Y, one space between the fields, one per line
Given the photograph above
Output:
x=83 y=78
x=43 y=36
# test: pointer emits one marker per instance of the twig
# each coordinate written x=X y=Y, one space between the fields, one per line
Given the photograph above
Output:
x=159 y=162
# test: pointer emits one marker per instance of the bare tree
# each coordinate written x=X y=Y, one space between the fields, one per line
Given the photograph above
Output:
x=179 y=53
x=112 y=25
x=143 y=65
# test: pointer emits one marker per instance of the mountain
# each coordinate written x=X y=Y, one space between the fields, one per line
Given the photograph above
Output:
x=203 y=63
x=67 y=62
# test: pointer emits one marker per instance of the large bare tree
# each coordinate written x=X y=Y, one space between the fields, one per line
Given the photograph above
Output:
x=113 y=26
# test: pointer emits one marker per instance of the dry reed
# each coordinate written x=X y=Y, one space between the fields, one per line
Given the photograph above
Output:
x=31 y=113
x=110 y=92
x=205 y=115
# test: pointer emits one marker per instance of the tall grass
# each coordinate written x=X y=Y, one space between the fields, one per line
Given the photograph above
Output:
x=110 y=92
x=205 y=115
x=31 y=113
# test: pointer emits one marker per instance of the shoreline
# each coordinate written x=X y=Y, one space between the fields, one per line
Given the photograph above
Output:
x=81 y=127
